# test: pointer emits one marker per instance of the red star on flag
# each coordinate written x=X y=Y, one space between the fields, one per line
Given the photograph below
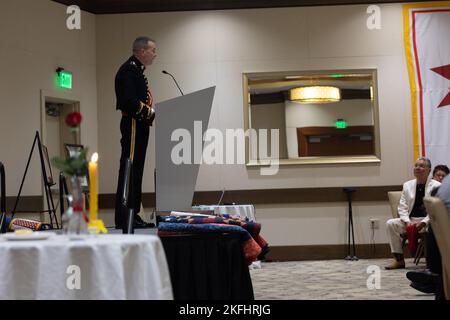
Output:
x=443 y=71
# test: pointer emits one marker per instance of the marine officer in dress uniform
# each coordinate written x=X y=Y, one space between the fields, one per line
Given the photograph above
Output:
x=135 y=102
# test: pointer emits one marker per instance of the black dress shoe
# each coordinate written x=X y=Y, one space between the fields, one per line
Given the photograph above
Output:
x=137 y=218
x=425 y=288
x=425 y=277
x=139 y=223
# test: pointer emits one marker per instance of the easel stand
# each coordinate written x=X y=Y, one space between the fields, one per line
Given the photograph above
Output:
x=48 y=192
x=350 y=257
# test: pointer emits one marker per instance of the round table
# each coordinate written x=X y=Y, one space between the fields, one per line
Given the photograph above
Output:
x=96 y=267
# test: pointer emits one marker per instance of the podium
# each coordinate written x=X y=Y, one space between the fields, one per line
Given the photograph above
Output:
x=179 y=128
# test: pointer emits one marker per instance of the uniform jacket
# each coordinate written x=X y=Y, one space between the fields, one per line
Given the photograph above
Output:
x=132 y=92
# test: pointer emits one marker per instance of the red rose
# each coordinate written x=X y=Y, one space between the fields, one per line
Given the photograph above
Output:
x=73 y=119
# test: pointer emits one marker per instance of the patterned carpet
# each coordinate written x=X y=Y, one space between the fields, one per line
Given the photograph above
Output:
x=334 y=279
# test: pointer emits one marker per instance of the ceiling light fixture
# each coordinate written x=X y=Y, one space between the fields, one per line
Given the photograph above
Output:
x=315 y=94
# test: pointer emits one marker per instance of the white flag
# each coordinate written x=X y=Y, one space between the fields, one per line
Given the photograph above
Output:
x=427 y=49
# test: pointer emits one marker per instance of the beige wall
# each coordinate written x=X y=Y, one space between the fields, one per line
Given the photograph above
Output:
x=355 y=112
x=215 y=47
x=34 y=42
x=271 y=116
x=202 y=49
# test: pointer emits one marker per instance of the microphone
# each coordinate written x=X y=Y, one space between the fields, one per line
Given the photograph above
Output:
x=165 y=72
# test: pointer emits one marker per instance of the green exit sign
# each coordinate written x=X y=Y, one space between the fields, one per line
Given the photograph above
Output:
x=64 y=79
x=341 y=124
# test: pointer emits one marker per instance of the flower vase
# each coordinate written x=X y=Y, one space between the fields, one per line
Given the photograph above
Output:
x=75 y=218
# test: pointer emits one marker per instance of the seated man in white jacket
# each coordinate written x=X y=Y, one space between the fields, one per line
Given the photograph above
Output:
x=411 y=209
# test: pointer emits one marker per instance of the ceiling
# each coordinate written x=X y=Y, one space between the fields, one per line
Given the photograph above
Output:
x=132 y=6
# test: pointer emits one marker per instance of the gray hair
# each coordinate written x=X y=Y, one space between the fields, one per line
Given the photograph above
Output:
x=426 y=160
x=141 y=43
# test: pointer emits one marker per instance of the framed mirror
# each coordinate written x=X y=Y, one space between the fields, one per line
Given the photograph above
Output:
x=317 y=117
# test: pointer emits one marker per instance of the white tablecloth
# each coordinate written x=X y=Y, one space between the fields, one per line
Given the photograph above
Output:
x=245 y=210
x=110 y=267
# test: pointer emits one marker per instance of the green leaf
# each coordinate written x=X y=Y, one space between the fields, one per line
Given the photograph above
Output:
x=73 y=166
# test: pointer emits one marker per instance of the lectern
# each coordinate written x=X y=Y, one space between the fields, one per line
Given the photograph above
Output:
x=179 y=128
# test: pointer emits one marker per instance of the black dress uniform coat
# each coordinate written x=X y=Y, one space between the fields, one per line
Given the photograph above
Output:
x=135 y=102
